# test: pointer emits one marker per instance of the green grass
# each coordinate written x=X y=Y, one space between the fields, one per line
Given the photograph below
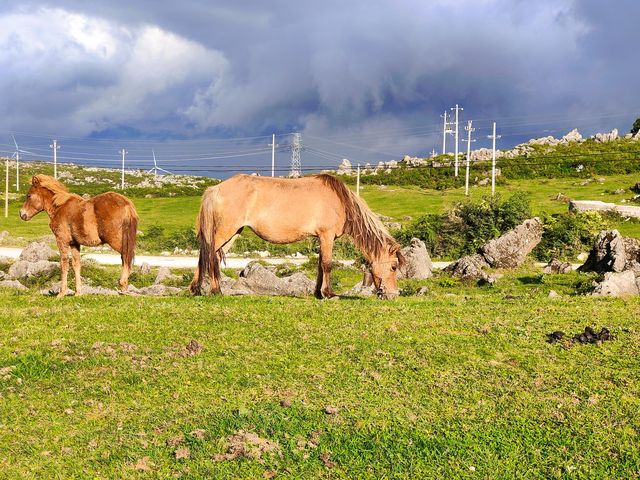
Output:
x=457 y=384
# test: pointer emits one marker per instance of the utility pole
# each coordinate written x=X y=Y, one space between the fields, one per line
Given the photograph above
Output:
x=493 y=159
x=457 y=109
x=296 y=148
x=273 y=154
x=55 y=147
x=6 y=188
x=445 y=130
x=123 y=152
x=469 y=128
x=358 y=182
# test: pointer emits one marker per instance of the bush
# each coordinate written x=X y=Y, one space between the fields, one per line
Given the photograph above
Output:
x=467 y=226
x=565 y=235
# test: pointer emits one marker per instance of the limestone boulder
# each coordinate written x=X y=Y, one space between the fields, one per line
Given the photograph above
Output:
x=25 y=269
x=617 y=284
x=36 y=251
x=511 y=249
x=418 y=262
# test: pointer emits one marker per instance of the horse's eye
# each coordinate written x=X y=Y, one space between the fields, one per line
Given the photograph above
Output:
x=394 y=268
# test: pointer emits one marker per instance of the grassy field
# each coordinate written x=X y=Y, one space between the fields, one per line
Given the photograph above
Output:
x=459 y=383
x=178 y=213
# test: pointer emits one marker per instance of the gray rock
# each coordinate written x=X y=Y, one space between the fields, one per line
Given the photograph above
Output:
x=418 y=262
x=90 y=290
x=572 y=136
x=158 y=290
x=25 y=269
x=556 y=266
x=553 y=294
x=609 y=253
x=511 y=249
x=469 y=268
x=257 y=279
x=163 y=275
x=606 y=137
x=12 y=284
x=54 y=289
x=36 y=251
x=360 y=289
x=617 y=284
x=145 y=268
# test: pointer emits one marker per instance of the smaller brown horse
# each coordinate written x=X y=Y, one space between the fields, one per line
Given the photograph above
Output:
x=106 y=218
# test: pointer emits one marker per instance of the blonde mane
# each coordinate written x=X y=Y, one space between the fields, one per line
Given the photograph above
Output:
x=361 y=224
x=59 y=191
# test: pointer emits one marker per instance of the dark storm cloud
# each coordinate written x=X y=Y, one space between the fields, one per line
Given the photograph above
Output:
x=359 y=67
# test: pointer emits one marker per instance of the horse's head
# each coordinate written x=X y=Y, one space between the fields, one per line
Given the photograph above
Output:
x=384 y=271
x=35 y=202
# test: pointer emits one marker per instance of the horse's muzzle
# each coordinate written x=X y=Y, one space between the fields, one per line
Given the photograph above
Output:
x=382 y=295
x=24 y=216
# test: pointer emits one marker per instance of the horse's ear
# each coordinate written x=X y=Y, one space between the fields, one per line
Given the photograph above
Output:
x=35 y=180
x=401 y=260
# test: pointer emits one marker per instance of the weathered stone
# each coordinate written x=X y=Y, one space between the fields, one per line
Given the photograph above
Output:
x=418 y=262
x=163 y=275
x=90 y=290
x=556 y=266
x=344 y=168
x=469 y=268
x=553 y=294
x=158 y=290
x=617 y=284
x=145 y=268
x=608 y=253
x=511 y=249
x=54 y=289
x=257 y=279
x=36 y=251
x=572 y=136
x=362 y=289
x=606 y=137
x=12 y=284
x=25 y=269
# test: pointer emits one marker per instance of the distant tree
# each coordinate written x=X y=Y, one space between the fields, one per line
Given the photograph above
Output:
x=636 y=126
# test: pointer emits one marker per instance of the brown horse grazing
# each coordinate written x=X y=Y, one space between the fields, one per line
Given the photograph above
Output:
x=106 y=218
x=288 y=210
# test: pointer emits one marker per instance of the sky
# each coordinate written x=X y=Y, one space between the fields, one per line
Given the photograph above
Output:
x=363 y=79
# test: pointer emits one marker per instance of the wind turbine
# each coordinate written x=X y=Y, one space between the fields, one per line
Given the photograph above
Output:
x=156 y=168
x=16 y=155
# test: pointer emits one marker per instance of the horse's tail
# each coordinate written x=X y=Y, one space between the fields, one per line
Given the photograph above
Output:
x=208 y=261
x=129 y=232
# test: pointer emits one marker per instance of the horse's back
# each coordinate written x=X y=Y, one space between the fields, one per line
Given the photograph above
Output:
x=111 y=211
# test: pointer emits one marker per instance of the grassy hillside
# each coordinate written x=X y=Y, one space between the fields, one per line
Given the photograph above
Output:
x=457 y=384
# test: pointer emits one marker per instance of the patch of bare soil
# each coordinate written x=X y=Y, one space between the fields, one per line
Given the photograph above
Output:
x=247 y=445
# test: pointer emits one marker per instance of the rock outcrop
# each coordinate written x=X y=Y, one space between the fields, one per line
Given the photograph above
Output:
x=617 y=284
x=36 y=251
x=259 y=280
x=556 y=266
x=507 y=251
x=612 y=253
x=418 y=262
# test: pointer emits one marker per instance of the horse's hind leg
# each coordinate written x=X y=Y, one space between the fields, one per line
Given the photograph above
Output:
x=75 y=261
x=123 y=282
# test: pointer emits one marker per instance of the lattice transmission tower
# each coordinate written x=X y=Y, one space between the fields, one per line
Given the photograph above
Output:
x=296 y=148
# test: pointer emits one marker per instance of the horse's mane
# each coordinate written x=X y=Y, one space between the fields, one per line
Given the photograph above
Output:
x=59 y=191
x=361 y=224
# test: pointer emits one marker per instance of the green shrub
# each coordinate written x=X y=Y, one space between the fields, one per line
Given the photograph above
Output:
x=467 y=226
x=567 y=234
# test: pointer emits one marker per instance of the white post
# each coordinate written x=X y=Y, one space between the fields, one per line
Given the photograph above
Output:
x=456 y=108
x=17 y=171
x=55 y=148
x=358 y=182
x=273 y=155
x=469 y=129
x=444 y=133
x=6 y=189
x=123 y=151
x=493 y=160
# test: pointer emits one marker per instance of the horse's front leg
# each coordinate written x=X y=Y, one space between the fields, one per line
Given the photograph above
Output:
x=75 y=261
x=318 y=291
x=326 y=252
x=64 y=268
